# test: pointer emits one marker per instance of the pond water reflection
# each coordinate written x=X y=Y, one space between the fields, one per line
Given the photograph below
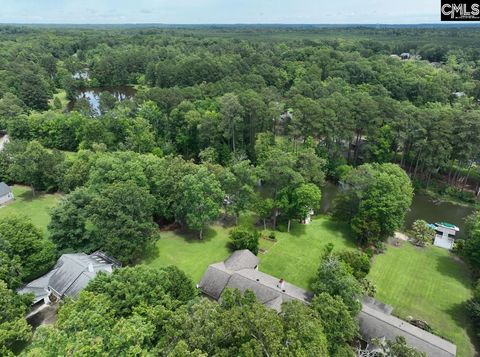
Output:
x=93 y=95
x=423 y=207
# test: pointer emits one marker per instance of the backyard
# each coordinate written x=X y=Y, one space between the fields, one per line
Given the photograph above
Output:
x=36 y=208
x=295 y=255
x=189 y=253
x=427 y=284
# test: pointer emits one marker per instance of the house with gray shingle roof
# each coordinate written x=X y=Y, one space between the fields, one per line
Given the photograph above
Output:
x=375 y=323
x=240 y=271
x=6 y=193
x=69 y=276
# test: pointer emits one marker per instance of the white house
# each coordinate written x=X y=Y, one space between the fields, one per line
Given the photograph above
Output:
x=444 y=235
x=6 y=193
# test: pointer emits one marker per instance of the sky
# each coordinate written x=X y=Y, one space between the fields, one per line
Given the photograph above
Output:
x=220 y=11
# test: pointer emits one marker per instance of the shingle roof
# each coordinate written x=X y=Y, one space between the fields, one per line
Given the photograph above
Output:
x=275 y=304
x=265 y=286
x=241 y=259
x=376 y=324
x=377 y=305
x=69 y=276
x=375 y=319
x=38 y=287
x=239 y=272
x=214 y=280
x=4 y=189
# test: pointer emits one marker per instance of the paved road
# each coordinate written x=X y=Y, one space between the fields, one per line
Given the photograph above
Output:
x=3 y=141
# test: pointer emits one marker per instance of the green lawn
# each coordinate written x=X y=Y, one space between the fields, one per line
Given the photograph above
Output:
x=189 y=253
x=295 y=256
x=428 y=284
x=265 y=244
x=36 y=208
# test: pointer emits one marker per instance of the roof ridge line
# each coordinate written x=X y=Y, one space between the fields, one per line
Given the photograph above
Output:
x=273 y=289
x=416 y=336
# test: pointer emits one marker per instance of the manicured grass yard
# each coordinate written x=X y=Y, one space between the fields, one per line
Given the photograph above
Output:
x=428 y=284
x=36 y=208
x=295 y=256
x=265 y=244
x=189 y=253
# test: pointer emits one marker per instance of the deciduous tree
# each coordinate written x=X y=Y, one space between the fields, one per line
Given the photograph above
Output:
x=14 y=329
x=199 y=199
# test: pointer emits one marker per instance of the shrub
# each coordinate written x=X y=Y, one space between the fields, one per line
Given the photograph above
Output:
x=380 y=248
x=244 y=238
x=458 y=247
x=272 y=235
x=358 y=261
x=370 y=252
x=342 y=171
x=369 y=288
x=421 y=233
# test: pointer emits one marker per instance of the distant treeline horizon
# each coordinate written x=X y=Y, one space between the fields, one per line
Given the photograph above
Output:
x=240 y=25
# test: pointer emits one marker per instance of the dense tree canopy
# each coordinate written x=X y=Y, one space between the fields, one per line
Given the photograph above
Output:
x=24 y=252
x=472 y=244
x=13 y=326
x=222 y=123
x=335 y=278
x=353 y=99
x=32 y=164
x=375 y=200
x=116 y=218
x=198 y=199
x=145 y=311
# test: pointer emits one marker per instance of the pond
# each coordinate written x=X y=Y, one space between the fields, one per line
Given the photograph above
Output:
x=93 y=95
x=423 y=207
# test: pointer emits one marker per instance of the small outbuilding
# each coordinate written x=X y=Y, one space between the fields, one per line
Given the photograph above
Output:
x=444 y=234
x=459 y=94
x=6 y=193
